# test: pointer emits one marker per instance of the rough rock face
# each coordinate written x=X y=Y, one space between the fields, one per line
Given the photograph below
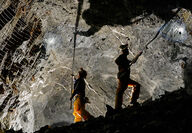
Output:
x=188 y=77
x=171 y=113
x=36 y=49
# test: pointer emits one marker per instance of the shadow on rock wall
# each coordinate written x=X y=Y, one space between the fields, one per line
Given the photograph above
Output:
x=121 y=12
x=188 y=76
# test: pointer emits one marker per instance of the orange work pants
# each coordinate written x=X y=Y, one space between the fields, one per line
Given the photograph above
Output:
x=122 y=86
x=79 y=110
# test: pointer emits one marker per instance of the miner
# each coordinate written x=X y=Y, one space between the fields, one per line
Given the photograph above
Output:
x=80 y=100
x=124 y=77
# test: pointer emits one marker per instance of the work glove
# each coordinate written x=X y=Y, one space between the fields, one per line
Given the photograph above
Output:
x=76 y=32
x=140 y=53
x=183 y=65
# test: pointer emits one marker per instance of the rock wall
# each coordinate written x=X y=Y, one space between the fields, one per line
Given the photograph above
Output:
x=38 y=94
x=20 y=51
x=170 y=113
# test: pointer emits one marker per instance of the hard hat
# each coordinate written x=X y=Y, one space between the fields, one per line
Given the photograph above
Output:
x=82 y=73
x=123 y=47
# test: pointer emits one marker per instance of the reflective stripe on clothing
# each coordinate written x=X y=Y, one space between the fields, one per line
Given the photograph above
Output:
x=79 y=110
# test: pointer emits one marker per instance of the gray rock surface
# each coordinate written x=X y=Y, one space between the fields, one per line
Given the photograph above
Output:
x=44 y=93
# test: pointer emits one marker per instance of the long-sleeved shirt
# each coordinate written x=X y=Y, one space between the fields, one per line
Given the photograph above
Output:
x=123 y=65
x=79 y=87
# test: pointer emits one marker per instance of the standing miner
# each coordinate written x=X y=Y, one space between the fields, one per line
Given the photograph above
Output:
x=124 y=77
x=80 y=99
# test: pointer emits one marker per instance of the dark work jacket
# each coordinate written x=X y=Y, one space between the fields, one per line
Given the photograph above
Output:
x=79 y=87
x=123 y=66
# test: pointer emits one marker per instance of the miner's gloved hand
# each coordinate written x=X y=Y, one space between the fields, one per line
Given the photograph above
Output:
x=73 y=76
x=140 y=53
x=183 y=65
x=76 y=32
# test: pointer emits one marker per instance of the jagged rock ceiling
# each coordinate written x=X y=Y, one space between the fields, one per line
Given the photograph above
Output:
x=36 y=45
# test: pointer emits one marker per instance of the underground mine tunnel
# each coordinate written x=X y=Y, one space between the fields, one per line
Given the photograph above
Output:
x=44 y=43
